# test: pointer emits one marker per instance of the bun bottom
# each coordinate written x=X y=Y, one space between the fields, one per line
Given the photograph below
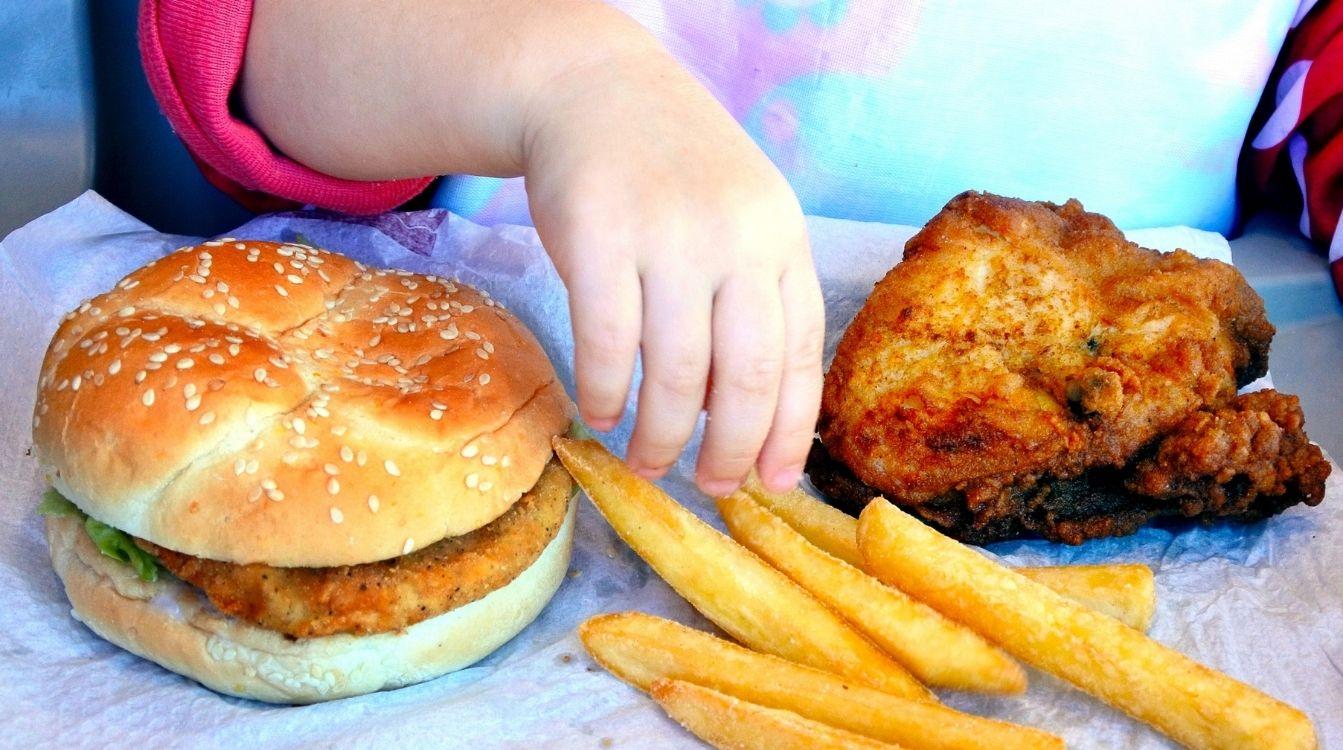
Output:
x=173 y=625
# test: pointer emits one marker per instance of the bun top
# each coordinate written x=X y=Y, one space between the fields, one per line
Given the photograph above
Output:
x=276 y=403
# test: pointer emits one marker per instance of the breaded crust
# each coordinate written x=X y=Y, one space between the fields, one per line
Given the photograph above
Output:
x=387 y=595
x=1007 y=376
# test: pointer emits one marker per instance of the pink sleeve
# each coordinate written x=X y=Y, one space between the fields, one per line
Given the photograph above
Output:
x=193 y=52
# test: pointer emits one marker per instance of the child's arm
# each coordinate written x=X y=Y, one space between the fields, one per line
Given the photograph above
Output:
x=674 y=234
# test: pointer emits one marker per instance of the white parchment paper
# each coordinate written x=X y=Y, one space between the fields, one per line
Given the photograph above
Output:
x=1262 y=602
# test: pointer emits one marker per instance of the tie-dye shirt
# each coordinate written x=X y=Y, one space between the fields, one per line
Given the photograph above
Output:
x=881 y=110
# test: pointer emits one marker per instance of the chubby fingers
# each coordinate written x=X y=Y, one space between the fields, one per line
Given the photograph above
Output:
x=605 y=306
x=675 y=349
x=747 y=365
x=790 y=436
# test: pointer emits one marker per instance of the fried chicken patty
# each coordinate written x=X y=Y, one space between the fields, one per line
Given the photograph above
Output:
x=389 y=594
x=1009 y=374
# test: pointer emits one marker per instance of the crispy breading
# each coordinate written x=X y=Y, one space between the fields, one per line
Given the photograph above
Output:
x=390 y=594
x=1001 y=378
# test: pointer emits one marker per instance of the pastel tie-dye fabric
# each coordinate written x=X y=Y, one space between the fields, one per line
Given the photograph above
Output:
x=881 y=110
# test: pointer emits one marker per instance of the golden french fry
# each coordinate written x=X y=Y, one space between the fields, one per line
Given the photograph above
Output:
x=822 y=524
x=1126 y=592
x=739 y=592
x=1197 y=706
x=729 y=723
x=641 y=649
x=939 y=652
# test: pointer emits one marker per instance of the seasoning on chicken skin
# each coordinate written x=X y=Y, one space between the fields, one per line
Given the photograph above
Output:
x=1011 y=374
x=391 y=594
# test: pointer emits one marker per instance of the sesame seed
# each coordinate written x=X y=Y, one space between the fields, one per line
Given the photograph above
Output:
x=252 y=466
x=294 y=279
x=207 y=418
x=268 y=483
x=139 y=377
x=185 y=363
x=336 y=515
x=158 y=357
x=189 y=390
x=489 y=347
x=482 y=354
x=193 y=402
x=391 y=467
x=300 y=426
x=435 y=415
x=486 y=486
x=505 y=461
x=361 y=458
x=275 y=495
x=346 y=454
x=254 y=495
x=240 y=246
x=472 y=480
x=259 y=374
x=148 y=398
x=408 y=546
x=239 y=466
x=373 y=503
x=333 y=486
x=331 y=469
x=126 y=311
x=281 y=291
x=449 y=333
x=216 y=358
x=470 y=451
x=484 y=378
x=75 y=382
x=488 y=460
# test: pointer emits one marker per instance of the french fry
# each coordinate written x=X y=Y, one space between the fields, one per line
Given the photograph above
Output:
x=1197 y=706
x=822 y=524
x=641 y=649
x=729 y=723
x=739 y=592
x=939 y=652
x=1126 y=592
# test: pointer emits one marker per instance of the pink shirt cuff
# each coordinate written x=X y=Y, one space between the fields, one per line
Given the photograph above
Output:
x=193 y=52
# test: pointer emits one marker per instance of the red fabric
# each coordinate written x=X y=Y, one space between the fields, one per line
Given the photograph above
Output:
x=192 y=52
x=1297 y=144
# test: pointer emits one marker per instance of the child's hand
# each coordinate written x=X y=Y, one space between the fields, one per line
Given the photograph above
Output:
x=677 y=238
x=673 y=232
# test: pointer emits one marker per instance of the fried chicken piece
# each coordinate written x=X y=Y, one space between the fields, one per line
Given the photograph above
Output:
x=1006 y=376
x=388 y=595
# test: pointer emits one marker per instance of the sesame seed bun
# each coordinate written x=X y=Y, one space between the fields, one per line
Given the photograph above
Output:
x=274 y=403
x=172 y=624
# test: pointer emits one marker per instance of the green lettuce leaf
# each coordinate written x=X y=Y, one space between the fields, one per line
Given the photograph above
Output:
x=580 y=431
x=54 y=504
x=112 y=542
x=118 y=545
